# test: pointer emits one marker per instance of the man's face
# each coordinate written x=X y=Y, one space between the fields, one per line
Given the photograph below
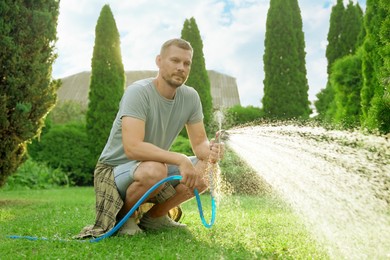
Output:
x=175 y=65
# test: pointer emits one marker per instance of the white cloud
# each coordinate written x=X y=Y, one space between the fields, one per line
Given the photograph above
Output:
x=232 y=31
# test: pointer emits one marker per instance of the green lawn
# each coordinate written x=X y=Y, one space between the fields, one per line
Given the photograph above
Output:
x=247 y=227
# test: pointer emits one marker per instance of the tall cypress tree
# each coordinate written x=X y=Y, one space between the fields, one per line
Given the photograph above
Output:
x=347 y=81
x=285 y=82
x=198 y=78
x=375 y=107
x=352 y=27
x=385 y=54
x=344 y=37
x=107 y=81
x=28 y=32
x=334 y=50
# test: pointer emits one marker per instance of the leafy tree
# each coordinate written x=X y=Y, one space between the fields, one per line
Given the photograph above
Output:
x=27 y=38
x=107 y=82
x=375 y=103
x=285 y=83
x=198 y=78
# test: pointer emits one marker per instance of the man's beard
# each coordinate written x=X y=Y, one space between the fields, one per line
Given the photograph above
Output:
x=173 y=83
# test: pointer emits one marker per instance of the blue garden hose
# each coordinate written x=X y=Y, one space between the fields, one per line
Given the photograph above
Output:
x=134 y=208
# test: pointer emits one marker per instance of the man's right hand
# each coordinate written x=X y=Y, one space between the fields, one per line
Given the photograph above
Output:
x=188 y=172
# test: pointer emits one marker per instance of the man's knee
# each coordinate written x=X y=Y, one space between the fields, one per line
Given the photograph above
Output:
x=149 y=173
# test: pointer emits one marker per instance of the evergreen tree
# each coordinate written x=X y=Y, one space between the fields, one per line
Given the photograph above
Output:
x=334 y=50
x=28 y=32
x=285 y=82
x=346 y=78
x=375 y=106
x=198 y=78
x=385 y=54
x=352 y=28
x=107 y=81
x=344 y=37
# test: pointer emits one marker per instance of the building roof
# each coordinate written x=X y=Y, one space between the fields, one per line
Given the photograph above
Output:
x=224 y=90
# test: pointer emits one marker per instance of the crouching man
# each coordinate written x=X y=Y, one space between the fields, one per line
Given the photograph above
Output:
x=151 y=114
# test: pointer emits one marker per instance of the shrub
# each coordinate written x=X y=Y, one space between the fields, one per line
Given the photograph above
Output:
x=182 y=145
x=239 y=115
x=35 y=175
x=66 y=147
x=68 y=111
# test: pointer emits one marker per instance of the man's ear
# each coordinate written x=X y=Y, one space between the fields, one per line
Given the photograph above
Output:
x=158 y=61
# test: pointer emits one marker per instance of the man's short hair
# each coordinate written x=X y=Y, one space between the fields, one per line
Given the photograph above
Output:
x=183 y=44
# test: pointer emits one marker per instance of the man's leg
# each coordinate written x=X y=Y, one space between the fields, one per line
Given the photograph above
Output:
x=145 y=176
x=156 y=217
x=141 y=178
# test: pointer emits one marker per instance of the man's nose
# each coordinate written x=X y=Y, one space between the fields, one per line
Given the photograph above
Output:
x=180 y=66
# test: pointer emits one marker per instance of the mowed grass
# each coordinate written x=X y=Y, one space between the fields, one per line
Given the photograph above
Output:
x=247 y=227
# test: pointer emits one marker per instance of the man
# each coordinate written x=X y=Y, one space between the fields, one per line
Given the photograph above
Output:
x=152 y=113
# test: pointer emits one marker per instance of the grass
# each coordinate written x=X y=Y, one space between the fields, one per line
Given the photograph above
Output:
x=247 y=227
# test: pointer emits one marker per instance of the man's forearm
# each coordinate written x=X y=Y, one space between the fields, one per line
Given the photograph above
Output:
x=149 y=152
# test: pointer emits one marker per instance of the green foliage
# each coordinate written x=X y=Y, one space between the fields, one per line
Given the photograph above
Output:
x=352 y=28
x=107 y=82
x=385 y=54
x=182 y=145
x=238 y=115
x=36 y=175
x=335 y=48
x=344 y=37
x=375 y=94
x=285 y=82
x=68 y=111
x=27 y=38
x=324 y=100
x=66 y=147
x=198 y=78
x=346 y=77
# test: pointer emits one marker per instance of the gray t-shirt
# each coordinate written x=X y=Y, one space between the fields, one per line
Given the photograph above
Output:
x=164 y=118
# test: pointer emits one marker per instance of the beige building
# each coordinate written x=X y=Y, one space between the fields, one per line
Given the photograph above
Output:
x=223 y=87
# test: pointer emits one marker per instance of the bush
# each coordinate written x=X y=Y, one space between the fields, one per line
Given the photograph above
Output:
x=34 y=175
x=68 y=111
x=66 y=147
x=182 y=145
x=239 y=115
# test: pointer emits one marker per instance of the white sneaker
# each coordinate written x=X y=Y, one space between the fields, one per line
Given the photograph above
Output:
x=149 y=223
x=130 y=228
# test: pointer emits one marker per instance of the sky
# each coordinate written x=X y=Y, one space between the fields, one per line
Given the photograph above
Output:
x=232 y=32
